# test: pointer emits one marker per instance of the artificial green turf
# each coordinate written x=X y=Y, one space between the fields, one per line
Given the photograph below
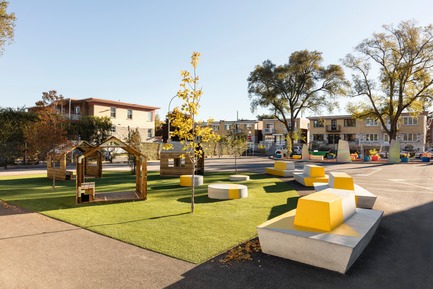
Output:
x=163 y=223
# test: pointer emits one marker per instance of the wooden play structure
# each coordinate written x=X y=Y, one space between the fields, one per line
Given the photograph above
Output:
x=87 y=191
x=171 y=164
x=92 y=166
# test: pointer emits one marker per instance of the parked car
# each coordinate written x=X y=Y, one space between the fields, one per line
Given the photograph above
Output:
x=430 y=150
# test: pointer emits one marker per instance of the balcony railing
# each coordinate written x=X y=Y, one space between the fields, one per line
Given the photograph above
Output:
x=333 y=128
x=269 y=130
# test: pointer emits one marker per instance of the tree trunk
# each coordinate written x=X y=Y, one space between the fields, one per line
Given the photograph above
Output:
x=193 y=183
x=53 y=165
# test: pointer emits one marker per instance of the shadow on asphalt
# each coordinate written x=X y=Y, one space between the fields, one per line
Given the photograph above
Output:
x=400 y=255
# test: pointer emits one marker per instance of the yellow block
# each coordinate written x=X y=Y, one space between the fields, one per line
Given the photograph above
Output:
x=186 y=181
x=274 y=172
x=280 y=165
x=314 y=171
x=296 y=157
x=321 y=210
x=340 y=180
x=308 y=181
x=234 y=194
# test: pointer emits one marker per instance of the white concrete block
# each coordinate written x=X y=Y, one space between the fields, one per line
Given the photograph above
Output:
x=336 y=250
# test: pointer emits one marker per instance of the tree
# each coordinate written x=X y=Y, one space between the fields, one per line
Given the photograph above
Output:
x=236 y=143
x=401 y=58
x=12 y=125
x=134 y=141
x=7 y=25
x=48 y=133
x=94 y=129
x=290 y=89
x=183 y=119
x=265 y=116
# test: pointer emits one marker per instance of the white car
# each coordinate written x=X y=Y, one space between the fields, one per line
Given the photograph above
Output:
x=418 y=155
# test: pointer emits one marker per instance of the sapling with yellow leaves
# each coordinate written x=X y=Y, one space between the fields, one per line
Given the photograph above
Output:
x=190 y=132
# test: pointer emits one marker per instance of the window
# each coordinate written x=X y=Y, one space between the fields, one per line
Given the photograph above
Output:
x=227 y=127
x=129 y=114
x=216 y=127
x=409 y=137
x=318 y=123
x=113 y=112
x=150 y=133
x=77 y=110
x=371 y=122
x=349 y=137
x=407 y=120
x=149 y=116
x=350 y=122
x=333 y=138
x=371 y=137
x=386 y=137
x=317 y=137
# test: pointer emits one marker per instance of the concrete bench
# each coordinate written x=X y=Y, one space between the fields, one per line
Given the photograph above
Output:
x=186 y=180
x=326 y=230
x=310 y=175
x=282 y=169
x=227 y=191
x=340 y=180
x=238 y=178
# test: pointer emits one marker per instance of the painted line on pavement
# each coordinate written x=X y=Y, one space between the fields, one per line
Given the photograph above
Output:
x=369 y=174
x=399 y=181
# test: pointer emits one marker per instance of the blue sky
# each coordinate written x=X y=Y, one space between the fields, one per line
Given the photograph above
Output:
x=133 y=50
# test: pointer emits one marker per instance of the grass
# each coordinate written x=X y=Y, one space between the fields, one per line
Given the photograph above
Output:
x=163 y=223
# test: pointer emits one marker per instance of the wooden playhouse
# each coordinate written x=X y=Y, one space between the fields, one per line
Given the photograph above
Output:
x=86 y=191
x=92 y=167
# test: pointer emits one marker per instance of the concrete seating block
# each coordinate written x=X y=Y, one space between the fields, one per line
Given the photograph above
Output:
x=239 y=178
x=281 y=165
x=340 y=180
x=363 y=198
x=186 y=180
x=325 y=210
x=314 y=171
x=334 y=250
x=281 y=169
x=227 y=191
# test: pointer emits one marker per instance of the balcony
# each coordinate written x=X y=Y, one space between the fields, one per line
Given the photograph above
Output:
x=333 y=128
x=269 y=130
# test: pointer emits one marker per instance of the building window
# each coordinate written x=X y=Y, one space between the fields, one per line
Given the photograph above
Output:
x=349 y=137
x=318 y=137
x=318 y=123
x=371 y=122
x=216 y=127
x=333 y=138
x=409 y=137
x=113 y=112
x=407 y=120
x=386 y=137
x=371 y=137
x=149 y=116
x=227 y=127
x=129 y=114
x=150 y=133
x=350 y=122
x=77 y=110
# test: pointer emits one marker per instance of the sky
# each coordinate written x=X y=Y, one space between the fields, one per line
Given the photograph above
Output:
x=133 y=50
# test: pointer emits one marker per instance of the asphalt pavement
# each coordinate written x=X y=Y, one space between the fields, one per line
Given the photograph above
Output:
x=40 y=252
